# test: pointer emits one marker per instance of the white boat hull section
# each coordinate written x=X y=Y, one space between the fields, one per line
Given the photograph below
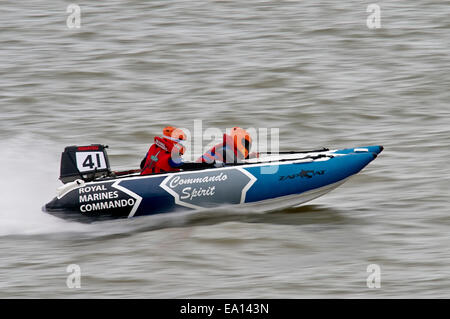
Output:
x=265 y=158
x=292 y=200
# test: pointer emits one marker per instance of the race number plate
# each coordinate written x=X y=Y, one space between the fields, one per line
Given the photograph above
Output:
x=89 y=161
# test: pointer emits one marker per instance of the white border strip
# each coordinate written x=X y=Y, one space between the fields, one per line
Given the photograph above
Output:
x=132 y=194
x=252 y=181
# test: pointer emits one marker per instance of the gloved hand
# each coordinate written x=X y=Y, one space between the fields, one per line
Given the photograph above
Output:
x=218 y=164
x=253 y=155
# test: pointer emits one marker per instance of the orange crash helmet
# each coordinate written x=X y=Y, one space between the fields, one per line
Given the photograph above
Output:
x=242 y=140
x=177 y=136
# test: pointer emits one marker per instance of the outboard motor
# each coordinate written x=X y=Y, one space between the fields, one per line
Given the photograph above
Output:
x=84 y=162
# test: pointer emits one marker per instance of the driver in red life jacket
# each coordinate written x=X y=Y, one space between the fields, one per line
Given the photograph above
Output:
x=165 y=155
x=234 y=148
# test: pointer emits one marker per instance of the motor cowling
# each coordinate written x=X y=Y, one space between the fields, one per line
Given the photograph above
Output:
x=84 y=162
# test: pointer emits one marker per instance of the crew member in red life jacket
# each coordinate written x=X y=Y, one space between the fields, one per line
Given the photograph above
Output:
x=166 y=154
x=234 y=148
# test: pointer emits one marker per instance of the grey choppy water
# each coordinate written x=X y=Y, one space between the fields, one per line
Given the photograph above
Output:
x=311 y=68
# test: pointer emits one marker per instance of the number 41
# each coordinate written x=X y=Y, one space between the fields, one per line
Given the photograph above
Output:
x=89 y=163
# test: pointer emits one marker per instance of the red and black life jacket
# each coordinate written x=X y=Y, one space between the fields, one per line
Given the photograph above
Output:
x=159 y=157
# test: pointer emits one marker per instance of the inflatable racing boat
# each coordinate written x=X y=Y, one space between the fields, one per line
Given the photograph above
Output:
x=272 y=181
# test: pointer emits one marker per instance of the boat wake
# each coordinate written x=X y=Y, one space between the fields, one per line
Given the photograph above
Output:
x=25 y=187
x=27 y=178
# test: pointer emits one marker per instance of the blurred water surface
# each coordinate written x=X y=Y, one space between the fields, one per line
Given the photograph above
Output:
x=313 y=69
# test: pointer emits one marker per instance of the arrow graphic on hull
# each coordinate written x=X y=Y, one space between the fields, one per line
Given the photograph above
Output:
x=209 y=188
x=130 y=193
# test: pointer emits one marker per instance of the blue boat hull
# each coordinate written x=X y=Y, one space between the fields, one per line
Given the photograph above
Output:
x=271 y=183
